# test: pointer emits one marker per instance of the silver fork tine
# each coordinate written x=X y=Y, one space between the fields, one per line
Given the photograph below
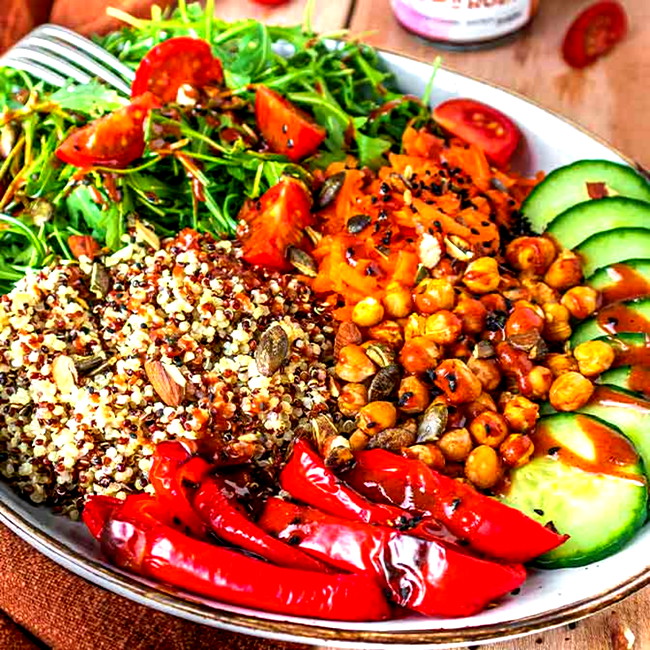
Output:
x=46 y=60
x=89 y=47
x=78 y=58
x=33 y=68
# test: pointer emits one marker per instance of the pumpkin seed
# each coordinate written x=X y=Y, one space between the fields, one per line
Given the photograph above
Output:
x=330 y=190
x=395 y=438
x=483 y=350
x=380 y=353
x=337 y=453
x=432 y=424
x=531 y=343
x=322 y=428
x=272 y=351
x=302 y=261
x=384 y=383
x=87 y=364
x=458 y=248
x=147 y=235
x=100 y=282
x=358 y=223
x=314 y=236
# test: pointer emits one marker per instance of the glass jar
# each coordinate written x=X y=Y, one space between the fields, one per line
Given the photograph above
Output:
x=465 y=24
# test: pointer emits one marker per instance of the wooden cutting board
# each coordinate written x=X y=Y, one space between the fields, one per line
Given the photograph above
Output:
x=610 y=99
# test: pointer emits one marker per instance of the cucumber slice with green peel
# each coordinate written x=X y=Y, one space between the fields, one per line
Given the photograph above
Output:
x=635 y=379
x=567 y=186
x=631 y=316
x=622 y=281
x=607 y=248
x=585 y=478
x=582 y=221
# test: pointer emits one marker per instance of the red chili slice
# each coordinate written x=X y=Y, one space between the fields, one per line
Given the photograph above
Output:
x=594 y=33
x=114 y=140
x=172 y=63
x=477 y=123
x=287 y=129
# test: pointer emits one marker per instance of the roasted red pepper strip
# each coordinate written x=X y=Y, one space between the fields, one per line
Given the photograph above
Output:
x=97 y=511
x=306 y=478
x=133 y=538
x=427 y=577
x=166 y=477
x=219 y=508
x=487 y=525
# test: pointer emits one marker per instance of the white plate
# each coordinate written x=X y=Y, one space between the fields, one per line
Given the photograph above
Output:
x=548 y=599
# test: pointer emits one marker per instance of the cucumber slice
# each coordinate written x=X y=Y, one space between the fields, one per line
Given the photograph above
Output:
x=581 y=221
x=635 y=379
x=567 y=186
x=628 y=279
x=607 y=248
x=633 y=316
x=587 y=479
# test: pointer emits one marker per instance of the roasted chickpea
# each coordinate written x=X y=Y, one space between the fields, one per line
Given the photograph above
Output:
x=376 y=416
x=534 y=254
x=419 y=354
x=594 y=357
x=367 y=312
x=429 y=454
x=557 y=326
x=457 y=381
x=347 y=334
x=487 y=371
x=433 y=294
x=516 y=450
x=561 y=363
x=472 y=313
x=483 y=402
x=525 y=317
x=358 y=440
x=456 y=445
x=489 y=428
x=565 y=272
x=570 y=391
x=354 y=364
x=494 y=302
x=413 y=395
x=397 y=301
x=539 y=380
x=581 y=301
x=443 y=327
x=414 y=326
x=541 y=292
x=388 y=332
x=520 y=413
x=352 y=398
x=482 y=275
x=483 y=467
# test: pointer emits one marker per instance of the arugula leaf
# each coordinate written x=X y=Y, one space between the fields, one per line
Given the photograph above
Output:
x=372 y=150
x=93 y=99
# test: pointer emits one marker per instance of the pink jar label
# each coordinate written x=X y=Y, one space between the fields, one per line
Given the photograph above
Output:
x=463 y=21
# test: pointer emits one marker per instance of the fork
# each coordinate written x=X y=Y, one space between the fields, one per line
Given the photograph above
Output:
x=58 y=55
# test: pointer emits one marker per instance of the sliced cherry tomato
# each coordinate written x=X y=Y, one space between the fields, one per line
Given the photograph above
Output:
x=275 y=222
x=172 y=63
x=114 y=140
x=287 y=129
x=270 y=2
x=490 y=130
x=594 y=33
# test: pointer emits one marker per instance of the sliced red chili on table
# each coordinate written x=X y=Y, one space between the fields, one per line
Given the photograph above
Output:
x=479 y=124
x=487 y=525
x=427 y=577
x=274 y=222
x=114 y=140
x=286 y=128
x=173 y=63
x=594 y=33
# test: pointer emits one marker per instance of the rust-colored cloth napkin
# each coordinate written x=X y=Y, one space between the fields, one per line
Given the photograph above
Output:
x=43 y=605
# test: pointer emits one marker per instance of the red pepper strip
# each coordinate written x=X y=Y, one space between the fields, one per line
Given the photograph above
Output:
x=220 y=509
x=166 y=478
x=135 y=539
x=97 y=510
x=306 y=478
x=427 y=577
x=486 y=524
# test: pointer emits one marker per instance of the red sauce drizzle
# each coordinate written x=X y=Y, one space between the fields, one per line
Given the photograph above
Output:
x=627 y=284
x=620 y=318
x=631 y=355
x=613 y=452
x=640 y=380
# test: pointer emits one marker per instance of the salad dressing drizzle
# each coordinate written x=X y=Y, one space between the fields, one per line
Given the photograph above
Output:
x=627 y=284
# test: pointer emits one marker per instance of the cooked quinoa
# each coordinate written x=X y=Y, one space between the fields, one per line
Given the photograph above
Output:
x=80 y=411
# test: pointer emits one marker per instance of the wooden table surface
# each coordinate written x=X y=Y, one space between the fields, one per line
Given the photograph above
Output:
x=608 y=98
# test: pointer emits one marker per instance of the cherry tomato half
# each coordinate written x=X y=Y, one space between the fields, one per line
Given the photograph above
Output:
x=274 y=222
x=594 y=33
x=172 y=63
x=114 y=140
x=492 y=131
x=287 y=129
x=271 y=2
